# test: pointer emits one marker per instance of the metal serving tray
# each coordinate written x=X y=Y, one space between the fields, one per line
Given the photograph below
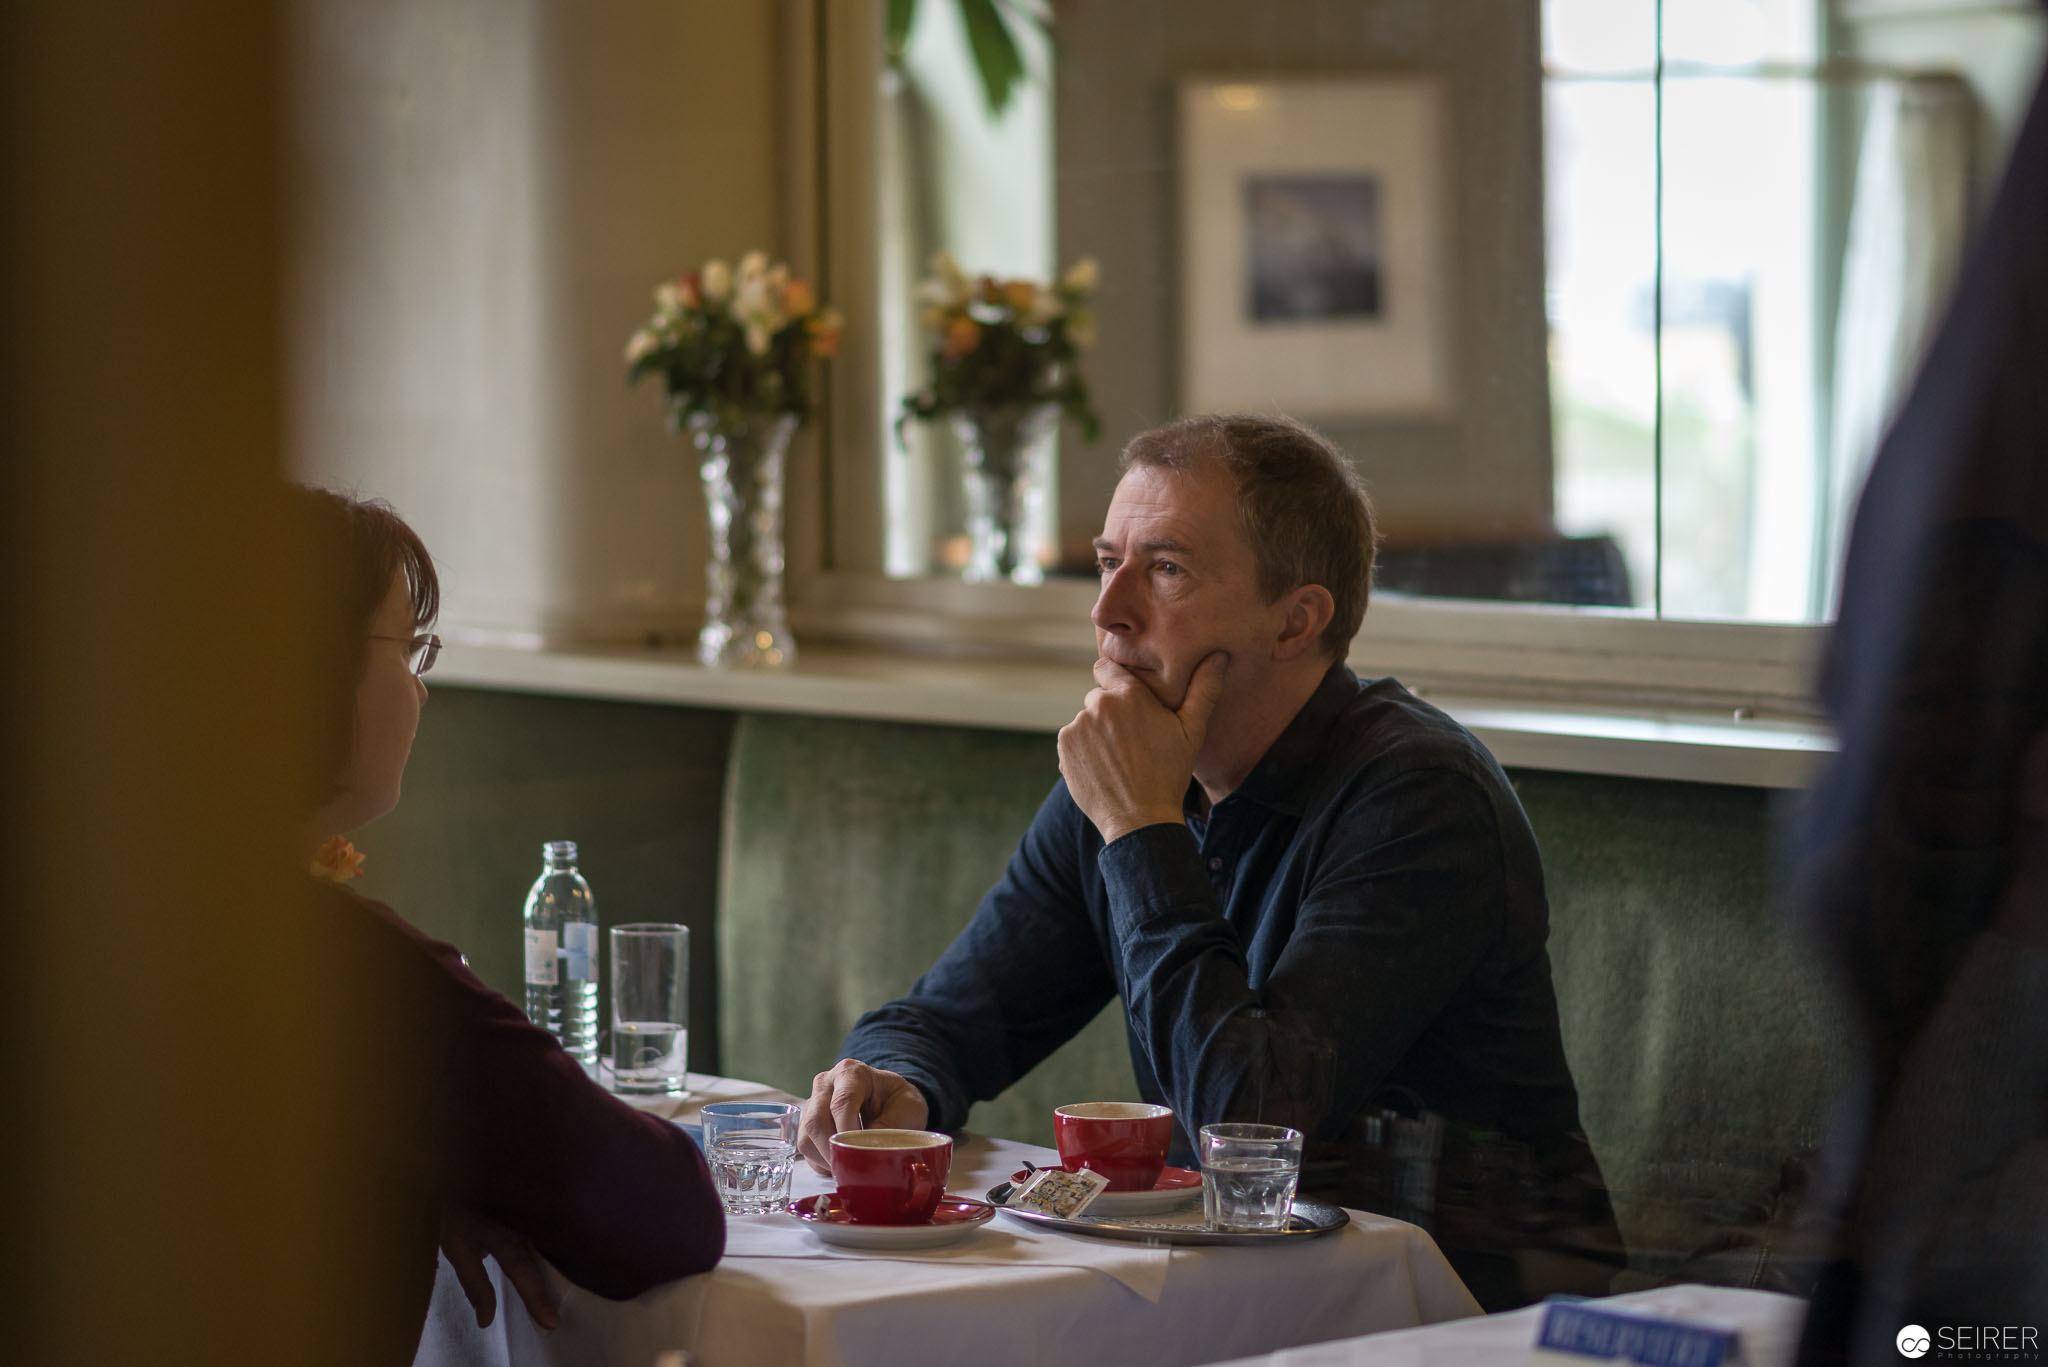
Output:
x=1307 y=1220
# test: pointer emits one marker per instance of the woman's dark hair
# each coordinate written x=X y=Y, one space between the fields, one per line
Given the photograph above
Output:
x=354 y=547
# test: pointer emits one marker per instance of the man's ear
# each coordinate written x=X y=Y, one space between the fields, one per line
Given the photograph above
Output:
x=1309 y=610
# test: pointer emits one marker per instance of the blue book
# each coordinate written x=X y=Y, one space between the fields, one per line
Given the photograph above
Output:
x=1573 y=1331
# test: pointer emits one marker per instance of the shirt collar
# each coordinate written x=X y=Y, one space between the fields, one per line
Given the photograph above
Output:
x=1280 y=779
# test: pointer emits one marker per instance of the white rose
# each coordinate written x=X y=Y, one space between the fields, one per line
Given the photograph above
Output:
x=642 y=344
x=1081 y=277
x=757 y=337
x=753 y=265
x=717 y=280
x=947 y=273
x=753 y=302
x=667 y=298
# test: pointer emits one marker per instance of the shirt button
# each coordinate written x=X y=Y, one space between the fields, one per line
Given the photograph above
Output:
x=1216 y=866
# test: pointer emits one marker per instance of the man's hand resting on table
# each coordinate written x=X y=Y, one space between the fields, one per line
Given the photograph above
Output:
x=853 y=1096
x=1127 y=757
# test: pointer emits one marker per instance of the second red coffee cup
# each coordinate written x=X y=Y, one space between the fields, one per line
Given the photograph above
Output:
x=1125 y=1141
x=891 y=1177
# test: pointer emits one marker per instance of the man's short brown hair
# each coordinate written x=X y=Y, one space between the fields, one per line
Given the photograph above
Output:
x=1303 y=508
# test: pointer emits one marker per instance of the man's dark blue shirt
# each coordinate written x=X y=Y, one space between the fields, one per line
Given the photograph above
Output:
x=1360 y=923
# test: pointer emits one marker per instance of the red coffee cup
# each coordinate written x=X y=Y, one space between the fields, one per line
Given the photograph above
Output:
x=891 y=1177
x=1125 y=1141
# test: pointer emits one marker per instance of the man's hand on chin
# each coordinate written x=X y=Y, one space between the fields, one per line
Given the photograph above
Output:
x=1127 y=757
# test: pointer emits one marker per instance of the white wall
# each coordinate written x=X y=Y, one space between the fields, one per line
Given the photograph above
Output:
x=489 y=190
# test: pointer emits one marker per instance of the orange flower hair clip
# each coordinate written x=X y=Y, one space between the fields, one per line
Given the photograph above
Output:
x=336 y=861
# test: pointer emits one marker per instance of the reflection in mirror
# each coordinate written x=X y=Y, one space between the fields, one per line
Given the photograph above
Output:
x=1616 y=321
x=975 y=182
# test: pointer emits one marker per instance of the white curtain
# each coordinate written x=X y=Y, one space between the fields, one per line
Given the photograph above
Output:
x=1907 y=226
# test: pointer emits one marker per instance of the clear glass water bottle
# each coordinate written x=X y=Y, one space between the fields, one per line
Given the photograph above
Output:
x=561 y=953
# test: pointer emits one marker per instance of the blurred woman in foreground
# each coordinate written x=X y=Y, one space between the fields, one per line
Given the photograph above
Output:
x=494 y=1140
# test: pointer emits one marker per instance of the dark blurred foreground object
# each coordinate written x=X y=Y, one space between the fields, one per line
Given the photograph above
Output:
x=1924 y=854
x=179 y=1156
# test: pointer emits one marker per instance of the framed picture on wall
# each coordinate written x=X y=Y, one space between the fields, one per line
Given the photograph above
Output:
x=1313 y=240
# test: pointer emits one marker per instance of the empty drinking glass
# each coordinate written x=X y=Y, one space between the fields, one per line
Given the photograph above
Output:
x=1249 y=1173
x=752 y=1149
x=650 y=1008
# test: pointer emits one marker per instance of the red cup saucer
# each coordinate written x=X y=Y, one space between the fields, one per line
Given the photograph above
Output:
x=1174 y=1186
x=955 y=1218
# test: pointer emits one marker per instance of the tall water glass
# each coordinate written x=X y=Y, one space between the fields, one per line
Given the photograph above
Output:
x=650 y=1008
x=752 y=1149
x=1249 y=1173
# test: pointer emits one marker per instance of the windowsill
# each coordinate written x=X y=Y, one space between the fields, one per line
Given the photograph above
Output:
x=1041 y=695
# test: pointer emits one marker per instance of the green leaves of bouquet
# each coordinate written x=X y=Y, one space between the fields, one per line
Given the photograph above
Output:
x=734 y=344
x=999 y=342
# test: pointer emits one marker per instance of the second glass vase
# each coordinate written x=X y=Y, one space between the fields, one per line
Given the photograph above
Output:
x=745 y=621
x=1006 y=453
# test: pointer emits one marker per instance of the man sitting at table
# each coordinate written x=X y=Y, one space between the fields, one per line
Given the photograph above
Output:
x=1317 y=897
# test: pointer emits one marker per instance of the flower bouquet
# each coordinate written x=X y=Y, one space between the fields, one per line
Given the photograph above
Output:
x=734 y=350
x=1005 y=364
x=734 y=345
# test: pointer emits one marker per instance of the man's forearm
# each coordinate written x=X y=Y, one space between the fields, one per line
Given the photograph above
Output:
x=1185 y=984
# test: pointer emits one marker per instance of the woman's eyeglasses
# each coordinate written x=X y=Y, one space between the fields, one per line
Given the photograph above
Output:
x=420 y=651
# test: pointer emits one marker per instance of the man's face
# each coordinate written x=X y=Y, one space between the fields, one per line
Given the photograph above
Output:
x=1179 y=582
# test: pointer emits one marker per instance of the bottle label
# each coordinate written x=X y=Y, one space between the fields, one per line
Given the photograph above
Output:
x=579 y=945
x=540 y=958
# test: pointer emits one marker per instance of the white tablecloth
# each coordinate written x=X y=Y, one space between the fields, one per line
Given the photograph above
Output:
x=1009 y=1293
x=1770 y=1325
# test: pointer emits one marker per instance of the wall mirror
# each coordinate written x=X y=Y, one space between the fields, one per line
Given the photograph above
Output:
x=1609 y=300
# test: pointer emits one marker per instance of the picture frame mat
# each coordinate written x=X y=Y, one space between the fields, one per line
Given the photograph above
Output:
x=1388 y=129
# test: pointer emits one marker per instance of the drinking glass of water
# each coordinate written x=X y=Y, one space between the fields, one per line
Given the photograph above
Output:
x=1249 y=1173
x=752 y=1148
x=650 y=1008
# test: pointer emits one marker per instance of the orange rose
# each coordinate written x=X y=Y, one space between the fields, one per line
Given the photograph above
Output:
x=336 y=861
x=799 y=298
x=991 y=292
x=1020 y=295
x=687 y=288
x=963 y=334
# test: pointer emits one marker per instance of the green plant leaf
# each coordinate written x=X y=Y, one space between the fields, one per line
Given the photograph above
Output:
x=995 y=53
x=902 y=18
x=1031 y=13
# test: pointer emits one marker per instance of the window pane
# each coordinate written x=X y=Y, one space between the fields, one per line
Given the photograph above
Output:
x=1739 y=340
x=1586 y=36
x=1739 y=32
x=1601 y=240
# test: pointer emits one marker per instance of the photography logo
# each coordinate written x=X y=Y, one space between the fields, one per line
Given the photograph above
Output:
x=1972 y=1342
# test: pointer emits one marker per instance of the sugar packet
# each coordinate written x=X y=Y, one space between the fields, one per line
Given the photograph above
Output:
x=1060 y=1193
